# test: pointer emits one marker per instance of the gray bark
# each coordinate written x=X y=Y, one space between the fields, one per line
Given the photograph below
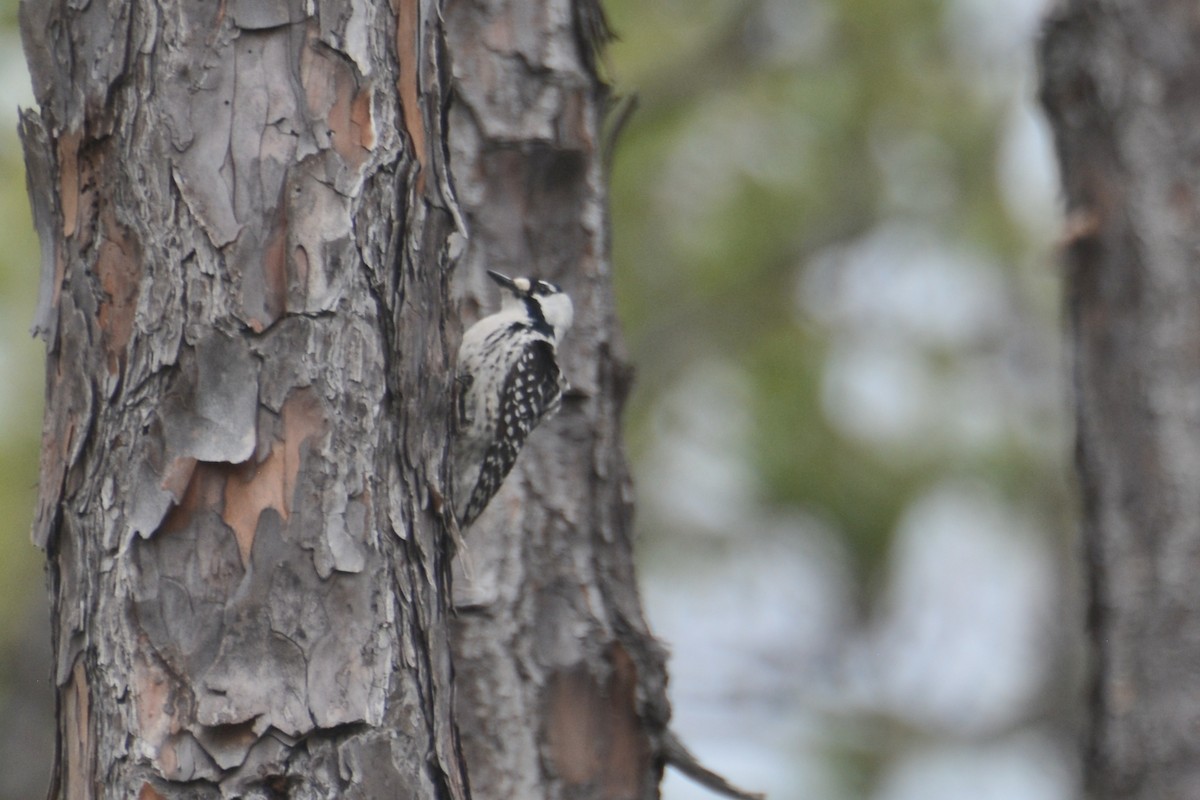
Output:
x=247 y=229
x=245 y=303
x=561 y=689
x=1121 y=85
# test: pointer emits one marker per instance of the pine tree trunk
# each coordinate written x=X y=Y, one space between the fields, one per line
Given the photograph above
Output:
x=561 y=689
x=244 y=229
x=248 y=236
x=1122 y=87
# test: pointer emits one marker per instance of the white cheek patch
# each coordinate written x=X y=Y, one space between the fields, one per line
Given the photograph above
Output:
x=521 y=283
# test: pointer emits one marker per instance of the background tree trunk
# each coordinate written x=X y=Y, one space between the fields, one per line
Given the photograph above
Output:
x=1122 y=87
x=561 y=689
x=245 y=302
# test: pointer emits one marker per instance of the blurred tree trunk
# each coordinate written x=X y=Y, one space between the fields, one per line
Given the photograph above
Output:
x=1121 y=82
x=247 y=236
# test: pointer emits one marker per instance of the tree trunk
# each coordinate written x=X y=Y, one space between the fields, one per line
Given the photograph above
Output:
x=247 y=230
x=561 y=689
x=1122 y=87
x=245 y=274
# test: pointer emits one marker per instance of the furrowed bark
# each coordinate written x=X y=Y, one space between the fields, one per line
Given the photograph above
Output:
x=1120 y=83
x=244 y=220
x=561 y=688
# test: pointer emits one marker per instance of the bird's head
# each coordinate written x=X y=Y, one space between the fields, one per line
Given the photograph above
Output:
x=545 y=303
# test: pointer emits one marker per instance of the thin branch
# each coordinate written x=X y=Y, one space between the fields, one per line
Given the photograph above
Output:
x=678 y=756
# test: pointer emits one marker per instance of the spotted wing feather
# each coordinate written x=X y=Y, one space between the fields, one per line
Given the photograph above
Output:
x=531 y=392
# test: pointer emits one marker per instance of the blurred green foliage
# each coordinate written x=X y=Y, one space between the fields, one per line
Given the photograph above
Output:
x=26 y=702
x=769 y=132
x=20 y=392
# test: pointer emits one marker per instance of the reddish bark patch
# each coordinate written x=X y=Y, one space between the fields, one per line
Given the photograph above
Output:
x=240 y=493
x=593 y=733
x=1182 y=202
x=1080 y=225
x=303 y=417
x=68 y=178
x=349 y=120
x=576 y=123
x=251 y=489
x=119 y=268
x=300 y=268
x=408 y=54
x=332 y=95
x=78 y=745
x=58 y=432
x=205 y=490
x=363 y=122
x=274 y=266
x=159 y=711
x=148 y=792
x=575 y=721
x=178 y=476
x=228 y=744
x=86 y=161
x=254 y=487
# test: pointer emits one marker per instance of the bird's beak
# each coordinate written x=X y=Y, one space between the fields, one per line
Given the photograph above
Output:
x=514 y=286
x=503 y=280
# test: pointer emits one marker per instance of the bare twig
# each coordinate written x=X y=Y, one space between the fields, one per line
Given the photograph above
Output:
x=678 y=756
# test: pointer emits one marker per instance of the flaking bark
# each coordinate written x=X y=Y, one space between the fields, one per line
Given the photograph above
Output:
x=244 y=232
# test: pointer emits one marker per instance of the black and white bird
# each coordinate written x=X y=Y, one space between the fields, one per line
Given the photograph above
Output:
x=508 y=382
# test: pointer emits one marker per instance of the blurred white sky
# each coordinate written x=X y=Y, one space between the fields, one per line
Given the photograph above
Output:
x=15 y=89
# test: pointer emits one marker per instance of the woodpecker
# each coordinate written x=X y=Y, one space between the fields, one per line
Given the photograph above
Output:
x=508 y=382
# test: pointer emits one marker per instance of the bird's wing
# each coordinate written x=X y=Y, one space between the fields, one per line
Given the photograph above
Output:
x=532 y=391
